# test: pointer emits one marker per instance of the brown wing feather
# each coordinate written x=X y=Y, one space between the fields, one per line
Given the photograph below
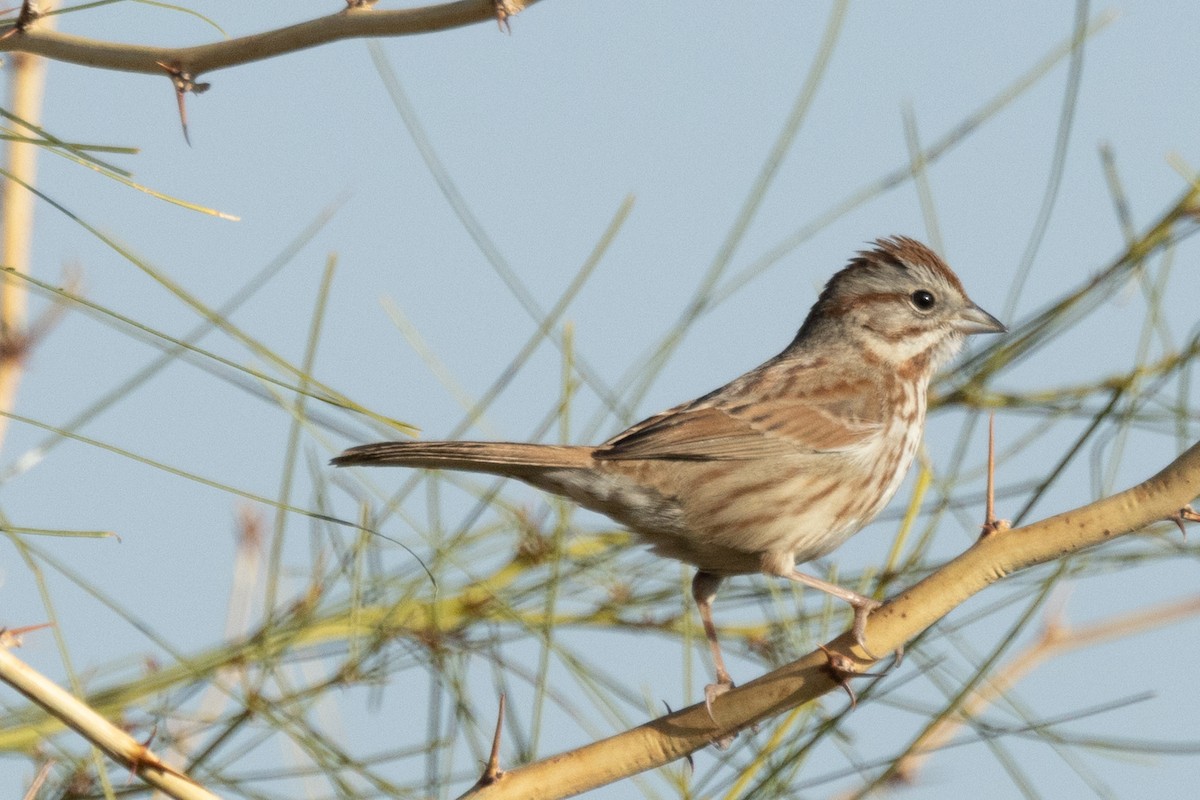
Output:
x=827 y=415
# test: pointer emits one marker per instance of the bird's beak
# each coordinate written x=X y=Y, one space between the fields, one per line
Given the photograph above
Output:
x=974 y=319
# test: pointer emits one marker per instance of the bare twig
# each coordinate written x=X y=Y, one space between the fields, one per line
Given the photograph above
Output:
x=39 y=780
x=352 y=22
x=16 y=208
x=114 y=741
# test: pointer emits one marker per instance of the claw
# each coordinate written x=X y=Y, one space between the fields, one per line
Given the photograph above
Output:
x=861 y=613
x=715 y=690
x=711 y=693
x=862 y=610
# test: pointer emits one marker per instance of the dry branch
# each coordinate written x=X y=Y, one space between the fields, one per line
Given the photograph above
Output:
x=350 y=23
x=992 y=558
x=26 y=87
x=114 y=741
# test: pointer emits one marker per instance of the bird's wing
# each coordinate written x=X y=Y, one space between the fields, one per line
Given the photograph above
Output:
x=730 y=431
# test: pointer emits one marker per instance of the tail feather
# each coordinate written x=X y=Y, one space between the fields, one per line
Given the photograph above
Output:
x=496 y=458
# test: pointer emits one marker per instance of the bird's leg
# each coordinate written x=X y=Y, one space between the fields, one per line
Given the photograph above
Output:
x=862 y=605
x=704 y=592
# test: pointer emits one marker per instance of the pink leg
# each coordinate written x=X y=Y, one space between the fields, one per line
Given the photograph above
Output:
x=704 y=591
x=862 y=605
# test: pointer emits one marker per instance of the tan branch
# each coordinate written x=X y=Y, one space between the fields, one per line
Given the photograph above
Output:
x=351 y=23
x=118 y=744
x=991 y=559
x=27 y=87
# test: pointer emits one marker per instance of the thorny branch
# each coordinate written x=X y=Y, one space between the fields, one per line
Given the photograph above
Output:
x=990 y=559
x=355 y=21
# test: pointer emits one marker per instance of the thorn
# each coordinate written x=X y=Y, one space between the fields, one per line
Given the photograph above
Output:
x=690 y=762
x=11 y=637
x=991 y=525
x=843 y=668
x=141 y=760
x=990 y=513
x=503 y=10
x=29 y=14
x=492 y=772
x=184 y=82
x=1185 y=514
x=688 y=756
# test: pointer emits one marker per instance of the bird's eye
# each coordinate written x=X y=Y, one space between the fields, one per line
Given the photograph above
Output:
x=923 y=300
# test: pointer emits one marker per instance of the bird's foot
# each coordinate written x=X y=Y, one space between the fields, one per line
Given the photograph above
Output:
x=711 y=693
x=714 y=690
x=863 y=606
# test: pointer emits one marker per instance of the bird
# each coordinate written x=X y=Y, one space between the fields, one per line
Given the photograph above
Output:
x=780 y=465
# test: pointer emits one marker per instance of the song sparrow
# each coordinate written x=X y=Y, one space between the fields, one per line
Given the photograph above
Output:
x=779 y=466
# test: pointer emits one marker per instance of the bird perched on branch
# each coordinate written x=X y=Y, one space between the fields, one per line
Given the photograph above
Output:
x=779 y=466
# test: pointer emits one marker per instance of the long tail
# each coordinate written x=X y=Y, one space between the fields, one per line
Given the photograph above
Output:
x=496 y=458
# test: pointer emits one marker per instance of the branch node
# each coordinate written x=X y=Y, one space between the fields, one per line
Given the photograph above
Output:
x=11 y=637
x=1185 y=514
x=29 y=15
x=504 y=9
x=14 y=346
x=842 y=667
x=184 y=82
